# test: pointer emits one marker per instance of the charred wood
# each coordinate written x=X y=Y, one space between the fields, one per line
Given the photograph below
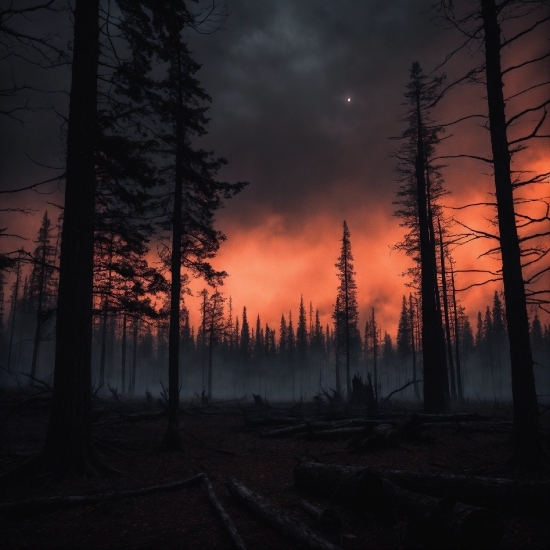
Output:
x=328 y=519
x=276 y=518
x=485 y=491
x=222 y=514
x=444 y=522
x=52 y=504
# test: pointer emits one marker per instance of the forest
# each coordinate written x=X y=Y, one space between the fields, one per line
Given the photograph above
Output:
x=151 y=397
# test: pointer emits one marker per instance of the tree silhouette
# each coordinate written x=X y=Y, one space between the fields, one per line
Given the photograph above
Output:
x=302 y=341
x=41 y=284
x=483 y=25
x=420 y=187
x=69 y=443
x=348 y=333
x=215 y=326
x=404 y=332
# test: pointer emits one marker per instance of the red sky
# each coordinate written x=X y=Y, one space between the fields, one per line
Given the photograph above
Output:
x=280 y=75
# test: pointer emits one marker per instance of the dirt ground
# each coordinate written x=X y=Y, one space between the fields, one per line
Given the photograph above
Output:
x=220 y=443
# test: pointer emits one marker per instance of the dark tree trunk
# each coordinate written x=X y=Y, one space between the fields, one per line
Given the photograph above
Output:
x=446 y=312
x=413 y=348
x=527 y=449
x=14 y=311
x=132 y=386
x=348 y=379
x=172 y=439
x=123 y=358
x=440 y=335
x=457 y=340
x=375 y=356
x=336 y=352
x=210 y=351
x=69 y=442
x=39 y=315
x=104 y=320
x=434 y=381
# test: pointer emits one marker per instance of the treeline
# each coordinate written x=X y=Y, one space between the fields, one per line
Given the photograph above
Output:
x=229 y=353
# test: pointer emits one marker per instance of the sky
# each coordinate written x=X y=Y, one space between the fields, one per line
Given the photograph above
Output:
x=305 y=96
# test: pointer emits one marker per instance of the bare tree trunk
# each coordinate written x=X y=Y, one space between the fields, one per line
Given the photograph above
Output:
x=132 y=386
x=210 y=351
x=527 y=449
x=375 y=356
x=69 y=442
x=172 y=439
x=457 y=340
x=446 y=312
x=434 y=381
x=14 y=308
x=123 y=358
x=39 y=316
x=104 y=319
x=413 y=347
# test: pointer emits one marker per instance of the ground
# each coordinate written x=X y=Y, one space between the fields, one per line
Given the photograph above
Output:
x=219 y=442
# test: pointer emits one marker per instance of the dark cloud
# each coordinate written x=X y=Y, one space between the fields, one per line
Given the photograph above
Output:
x=280 y=75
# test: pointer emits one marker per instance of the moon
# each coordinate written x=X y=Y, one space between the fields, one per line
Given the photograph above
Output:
x=349 y=99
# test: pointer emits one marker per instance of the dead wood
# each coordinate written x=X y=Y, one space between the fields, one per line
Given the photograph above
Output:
x=332 y=435
x=264 y=421
x=386 y=400
x=135 y=418
x=435 y=521
x=484 y=491
x=277 y=519
x=327 y=518
x=114 y=393
x=305 y=427
x=260 y=403
x=222 y=514
x=52 y=504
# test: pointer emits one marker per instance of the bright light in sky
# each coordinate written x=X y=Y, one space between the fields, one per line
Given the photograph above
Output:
x=349 y=99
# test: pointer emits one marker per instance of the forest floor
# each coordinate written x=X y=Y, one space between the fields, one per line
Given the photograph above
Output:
x=224 y=440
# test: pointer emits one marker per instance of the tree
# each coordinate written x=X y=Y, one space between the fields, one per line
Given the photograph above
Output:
x=420 y=187
x=244 y=346
x=69 y=442
x=457 y=336
x=442 y=254
x=291 y=352
x=413 y=344
x=41 y=279
x=348 y=333
x=302 y=341
x=404 y=332
x=483 y=25
x=215 y=325
x=14 y=303
x=194 y=194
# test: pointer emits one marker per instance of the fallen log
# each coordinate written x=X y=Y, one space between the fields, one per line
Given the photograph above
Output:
x=451 y=417
x=333 y=435
x=277 y=519
x=435 y=521
x=484 y=491
x=327 y=518
x=52 y=504
x=222 y=514
x=135 y=418
x=270 y=421
x=474 y=426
